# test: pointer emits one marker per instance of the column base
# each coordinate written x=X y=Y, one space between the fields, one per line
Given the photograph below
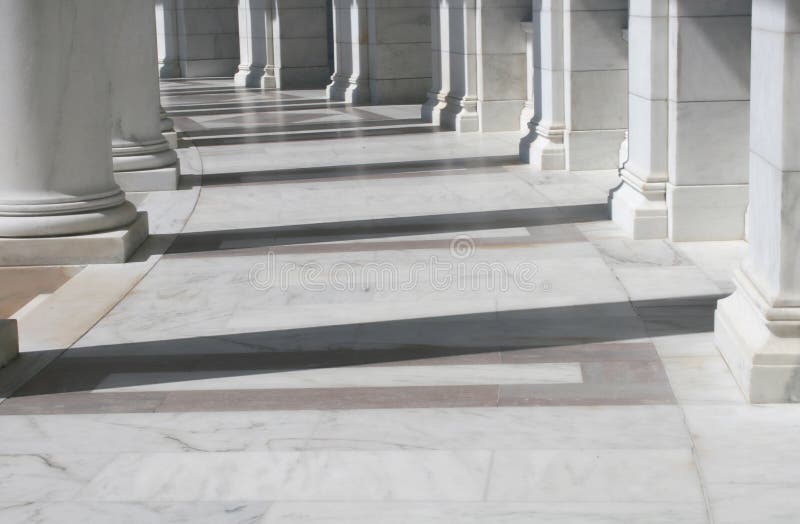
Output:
x=543 y=150
x=640 y=208
x=108 y=247
x=168 y=131
x=344 y=90
x=707 y=212
x=761 y=344
x=254 y=77
x=432 y=108
x=460 y=115
x=169 y=69
x=151 y=167
x=9 y=341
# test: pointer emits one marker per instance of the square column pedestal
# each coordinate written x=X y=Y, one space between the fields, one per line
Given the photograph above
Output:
x=107 y=247
x=757 y=329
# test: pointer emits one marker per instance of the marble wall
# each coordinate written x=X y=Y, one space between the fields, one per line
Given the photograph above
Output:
x=208 y=42
x=382 y=51
x=283 y=44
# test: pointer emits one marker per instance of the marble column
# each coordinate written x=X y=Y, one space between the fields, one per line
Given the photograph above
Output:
x=382 y=51
x=708 y=111
x=639 y=205
x=543 y=147
x=440 y=65
x=582 y=52
x=255 y=44
x=758 y=327
x=143 y=159
x=350 y=80
x=57 y=179
x=167 y=35
x=481 y=75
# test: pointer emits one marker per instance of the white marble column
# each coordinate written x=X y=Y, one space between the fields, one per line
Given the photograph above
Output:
x=382 y=51
x=167 y=35
x=350 y=80
x=579 y=49
x=758 y=327
x=481 y=76
x=544 y=145
x=57 y=177
x=143 y=159
x=255 y=44
x=440 y=65
x=639 y=205
x=708 y=111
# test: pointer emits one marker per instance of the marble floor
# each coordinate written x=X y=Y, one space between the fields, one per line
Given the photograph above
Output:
x=347 y=315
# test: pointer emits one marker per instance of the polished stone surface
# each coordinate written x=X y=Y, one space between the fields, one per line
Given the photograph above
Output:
x=191 y=391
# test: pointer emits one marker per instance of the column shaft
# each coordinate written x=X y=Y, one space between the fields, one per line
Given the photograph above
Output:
x=639 y=205
x=544 y=145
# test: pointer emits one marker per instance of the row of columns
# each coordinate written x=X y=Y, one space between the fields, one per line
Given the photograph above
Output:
x=81 y=125
x=710 y=131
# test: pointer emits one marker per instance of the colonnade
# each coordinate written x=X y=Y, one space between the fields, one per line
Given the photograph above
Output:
x=695 y=101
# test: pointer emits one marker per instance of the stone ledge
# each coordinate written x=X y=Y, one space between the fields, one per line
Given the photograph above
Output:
x=109 y=247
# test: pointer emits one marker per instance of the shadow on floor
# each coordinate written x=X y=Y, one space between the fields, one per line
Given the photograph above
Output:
x=376 y=170
x=597 y=335
x=211 y=241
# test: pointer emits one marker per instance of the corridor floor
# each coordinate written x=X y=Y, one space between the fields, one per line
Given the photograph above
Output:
x=347 y=315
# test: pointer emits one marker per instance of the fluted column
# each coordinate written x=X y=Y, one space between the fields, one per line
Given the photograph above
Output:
x=256 y=51
x=57 y=176
x=143 y=159
x=758 y=327
x=639 y=205
x=167 y=35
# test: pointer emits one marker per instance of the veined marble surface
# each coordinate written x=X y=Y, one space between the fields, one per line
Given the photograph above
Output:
x=597 y=397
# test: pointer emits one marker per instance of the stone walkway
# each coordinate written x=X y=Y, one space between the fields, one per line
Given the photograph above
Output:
x=346 y=315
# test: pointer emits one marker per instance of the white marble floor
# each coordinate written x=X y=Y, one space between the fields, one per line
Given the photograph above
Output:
x=348 y=316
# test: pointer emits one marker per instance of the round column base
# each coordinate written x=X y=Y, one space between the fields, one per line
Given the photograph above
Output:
x=33 y=226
